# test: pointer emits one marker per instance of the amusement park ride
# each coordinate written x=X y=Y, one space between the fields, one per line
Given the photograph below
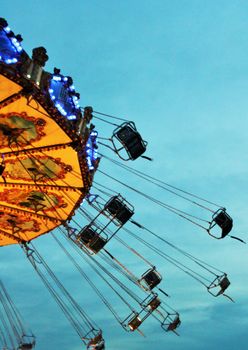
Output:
x=50 y=151
x=13 y=331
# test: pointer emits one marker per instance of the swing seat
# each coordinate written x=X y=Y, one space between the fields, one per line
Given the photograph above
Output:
x=119 y=209
x=91 y=239
x=152 y=278
x=174 y=324
x=153 y=304
x=96 y=343
x=224 y=284
x=225 y=222
x=219 y=285
x=131 y=140
x=134 y=323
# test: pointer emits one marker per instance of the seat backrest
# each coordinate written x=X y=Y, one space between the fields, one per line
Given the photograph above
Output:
x=131 y=140
x=134 y=323
x=225 y=222
x=86 y=235
x=224 y=284
x=136 y=149
x=97 y=244
x=119 y=209
x=154 y=304
x=126 y=134
x=174 y=324
x=152 y=279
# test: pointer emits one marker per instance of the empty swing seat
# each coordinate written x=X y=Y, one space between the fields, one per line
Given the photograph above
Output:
x=171 y=323
x=91 y=239
x=117 y=208
x=224 y=221
x=153 y=304
x=134 y=323
x=131 y=140
x=219 y=285
x=174 y=324
x=224 y=284
x=152 y=278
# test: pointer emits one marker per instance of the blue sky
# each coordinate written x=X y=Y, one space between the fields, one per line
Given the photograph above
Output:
x=179 y=70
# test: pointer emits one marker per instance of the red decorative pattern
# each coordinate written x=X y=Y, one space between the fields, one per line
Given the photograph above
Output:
x=21 y=129
x=33 y=200
x=15 y=224
x=38 y=168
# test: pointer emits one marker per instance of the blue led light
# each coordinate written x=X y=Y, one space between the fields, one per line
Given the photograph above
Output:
x=71 y=117
x=91 y=150
x=10 y=47
x=64 y=97
x=56 y=78
x=11 y=60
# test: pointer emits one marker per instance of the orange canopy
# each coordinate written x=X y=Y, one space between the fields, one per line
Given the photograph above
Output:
x=45 y=176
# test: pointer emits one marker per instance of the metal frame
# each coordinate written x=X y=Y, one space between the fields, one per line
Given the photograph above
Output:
x=148 y=305
x=98 y=228
x=220 y=281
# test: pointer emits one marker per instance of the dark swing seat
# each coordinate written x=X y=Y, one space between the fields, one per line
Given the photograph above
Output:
x=130 y=139
x=134 y=323
x=224 y=284
x=173 y=325
x=219 y=285
x=119 y=209
x=151 y=278
x=153 y=304
x=148 y=306
x=223 y=220
x=91 y=239
x=171 y=322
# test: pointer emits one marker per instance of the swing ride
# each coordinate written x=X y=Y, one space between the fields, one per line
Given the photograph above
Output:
x=50 y=152
x=12 y=330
